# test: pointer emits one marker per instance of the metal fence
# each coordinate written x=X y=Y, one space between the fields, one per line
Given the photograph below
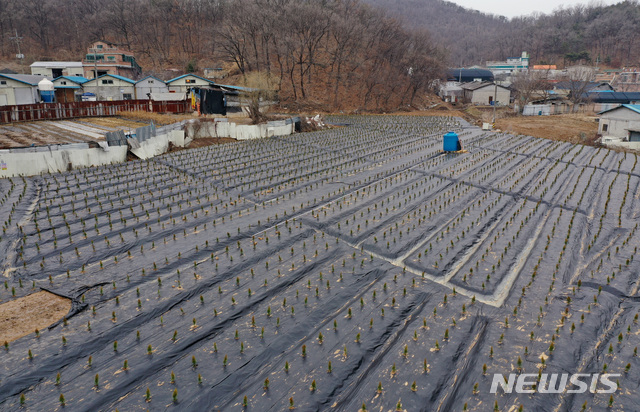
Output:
x=57 y=111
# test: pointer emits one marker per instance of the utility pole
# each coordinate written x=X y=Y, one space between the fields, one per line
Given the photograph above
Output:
x=18 y=40
x=95 y=73
x=495 y=97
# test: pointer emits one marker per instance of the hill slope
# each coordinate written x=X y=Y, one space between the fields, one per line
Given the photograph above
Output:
x=606 y=33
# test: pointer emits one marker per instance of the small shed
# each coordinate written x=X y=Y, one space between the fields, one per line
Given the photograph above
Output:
x=150 y=85
x=486 y=93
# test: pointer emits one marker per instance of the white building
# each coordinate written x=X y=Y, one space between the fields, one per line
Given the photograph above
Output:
x=621 y=123
x=511 y=65
x=145 y=87
x=19 y=89
x=187 y=81
x=57 y=69
x=111 y=87
x=486 y=93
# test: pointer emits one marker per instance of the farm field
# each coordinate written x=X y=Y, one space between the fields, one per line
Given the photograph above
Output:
x=355 y=268
x=62 y=131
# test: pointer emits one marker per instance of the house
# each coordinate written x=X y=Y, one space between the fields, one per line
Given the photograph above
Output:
x=185 y=82
x=484 y=93
x=148 y=85
x=69 y=88
x=621 y=123
x=57 y=69
x=111 y=87
x=19 y=89
x=107 y=58
x=511 y=65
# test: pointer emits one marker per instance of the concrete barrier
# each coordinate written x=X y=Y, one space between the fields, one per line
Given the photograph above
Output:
x=623 y=145
x=159 y=144
x=198 y=129
x=57 y=158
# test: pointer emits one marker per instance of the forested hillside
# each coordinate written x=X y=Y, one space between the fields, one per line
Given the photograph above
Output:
x=329 y=53
x=604 y=33
x=337 y=53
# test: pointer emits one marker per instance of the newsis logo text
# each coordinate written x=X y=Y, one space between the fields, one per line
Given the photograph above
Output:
x=556 y=383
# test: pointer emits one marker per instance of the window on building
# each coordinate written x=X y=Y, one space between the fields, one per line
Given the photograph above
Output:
x=111 y=58
x=605 y=127
x=63 y=83
x=150 y=81
x=107 y=82
x=3 y=82
x=126 y=96
x=190 y=81
x=99 y=46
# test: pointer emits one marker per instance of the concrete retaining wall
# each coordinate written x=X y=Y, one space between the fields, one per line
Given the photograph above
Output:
x=33 y=161
x=199 y=130
x=57 y=158
x=624 y=145
x=160 y=144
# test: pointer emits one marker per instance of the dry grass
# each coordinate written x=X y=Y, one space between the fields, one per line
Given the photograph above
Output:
x=159 y=119
x=573 y=128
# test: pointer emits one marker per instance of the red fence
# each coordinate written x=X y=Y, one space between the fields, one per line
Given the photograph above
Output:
x=57 y=111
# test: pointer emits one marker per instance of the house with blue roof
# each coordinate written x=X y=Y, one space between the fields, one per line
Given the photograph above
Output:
x=19 y=89
x=182 y=84
x=621 y=123
x=111 y=87
x=149 y=85
x=69 y=88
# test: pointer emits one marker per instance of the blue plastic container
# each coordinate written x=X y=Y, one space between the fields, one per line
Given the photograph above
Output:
x=451 y=142
x=47 y=96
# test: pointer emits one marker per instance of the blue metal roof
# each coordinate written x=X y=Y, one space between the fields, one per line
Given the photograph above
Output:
x=611 y=97
x=244 y=89
x=469 y=75
x=75 y=79
x=115 y=76
x=633 y=107
x=189 y=75
x=153 y=77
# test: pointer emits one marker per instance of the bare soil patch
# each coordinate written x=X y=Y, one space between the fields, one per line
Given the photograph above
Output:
x=22 y=316
x=574 y=128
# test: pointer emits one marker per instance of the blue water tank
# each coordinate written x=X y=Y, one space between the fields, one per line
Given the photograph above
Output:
x=451 y=142
x=47 y=96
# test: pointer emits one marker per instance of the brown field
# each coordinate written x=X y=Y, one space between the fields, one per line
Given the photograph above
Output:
x=574 y=128
x=23 y=316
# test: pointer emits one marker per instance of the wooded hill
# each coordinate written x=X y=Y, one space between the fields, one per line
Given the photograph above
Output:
x=569 y=34
x=330 y=53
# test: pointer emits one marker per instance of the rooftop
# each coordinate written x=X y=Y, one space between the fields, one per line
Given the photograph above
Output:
x=29 y=79
x=56 y=65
